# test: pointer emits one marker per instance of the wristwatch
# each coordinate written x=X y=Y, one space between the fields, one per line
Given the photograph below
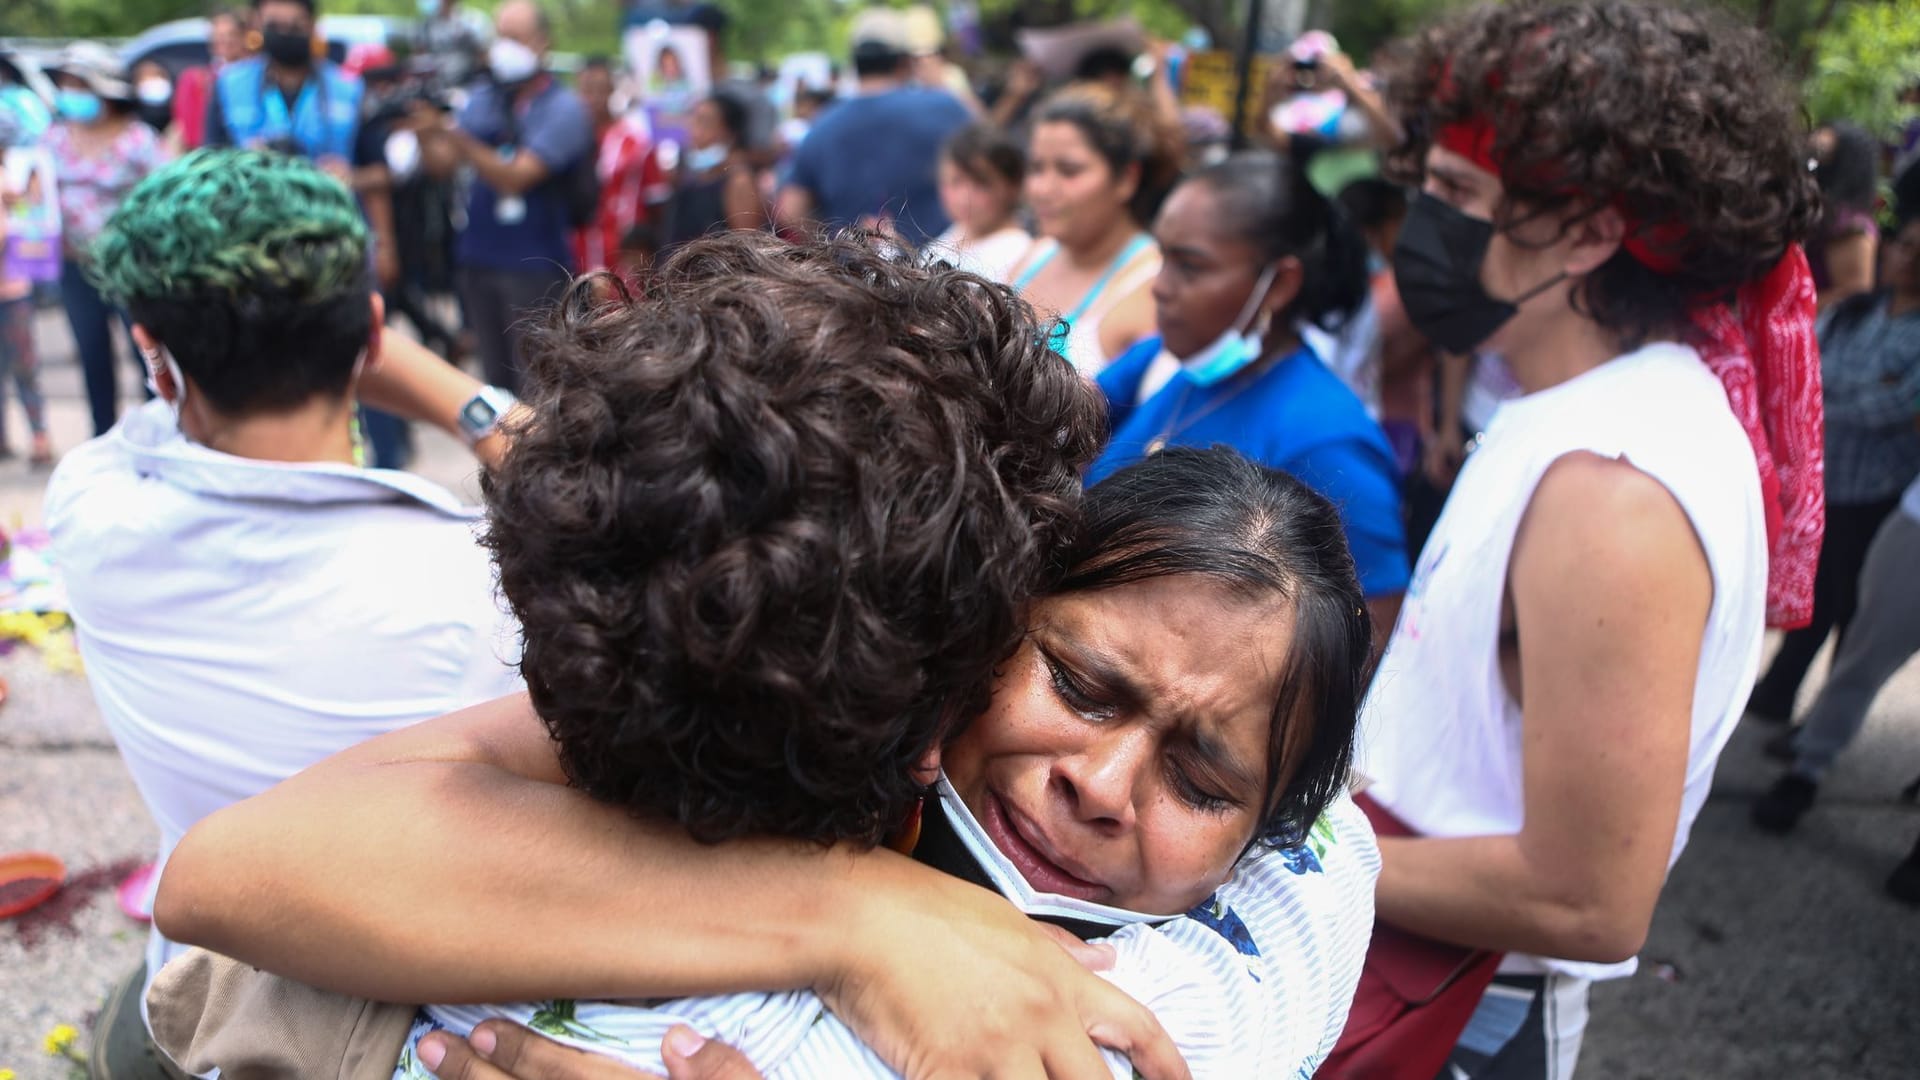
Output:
x=482 y=413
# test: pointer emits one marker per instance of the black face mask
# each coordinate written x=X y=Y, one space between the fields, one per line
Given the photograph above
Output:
x=1436 y=265
x=288 y=48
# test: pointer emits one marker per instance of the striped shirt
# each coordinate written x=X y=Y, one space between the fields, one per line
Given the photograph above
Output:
x=1254 y=982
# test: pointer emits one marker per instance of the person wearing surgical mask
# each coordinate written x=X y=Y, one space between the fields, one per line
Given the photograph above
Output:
x=1253 y=254
x=290 y=98
x=713 y=186
x=521 y=132
x=100 y=150
x=153 y=92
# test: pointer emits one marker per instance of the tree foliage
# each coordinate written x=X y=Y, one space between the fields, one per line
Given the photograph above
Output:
x=1858 y=54
x=1864 y=66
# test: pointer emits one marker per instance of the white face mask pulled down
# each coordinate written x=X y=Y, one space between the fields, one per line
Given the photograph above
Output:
x=1238 y=346
x=1008 y=880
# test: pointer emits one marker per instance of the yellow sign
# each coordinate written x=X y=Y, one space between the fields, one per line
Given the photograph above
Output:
x=1211 y=78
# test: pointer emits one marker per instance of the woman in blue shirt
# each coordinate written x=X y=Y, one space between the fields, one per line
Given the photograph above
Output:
x=1251 y=251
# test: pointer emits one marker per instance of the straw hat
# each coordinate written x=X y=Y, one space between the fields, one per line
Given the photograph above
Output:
x=97 y=66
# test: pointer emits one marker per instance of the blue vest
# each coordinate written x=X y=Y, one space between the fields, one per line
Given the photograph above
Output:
x=324 y=118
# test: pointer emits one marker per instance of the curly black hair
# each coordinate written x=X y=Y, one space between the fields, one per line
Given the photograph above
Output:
x=1678 y=117
x=769 y=529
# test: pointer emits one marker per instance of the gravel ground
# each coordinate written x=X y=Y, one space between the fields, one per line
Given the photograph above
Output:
x=1769 y=957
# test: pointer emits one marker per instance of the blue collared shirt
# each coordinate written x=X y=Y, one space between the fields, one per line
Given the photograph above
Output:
x=1870 y=383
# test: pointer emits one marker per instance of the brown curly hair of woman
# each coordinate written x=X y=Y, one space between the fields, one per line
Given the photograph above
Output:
x=1677 y=117
x=769 y=529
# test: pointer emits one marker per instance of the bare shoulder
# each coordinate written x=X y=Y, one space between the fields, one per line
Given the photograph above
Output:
x=1600 y=532
x=1132 y=320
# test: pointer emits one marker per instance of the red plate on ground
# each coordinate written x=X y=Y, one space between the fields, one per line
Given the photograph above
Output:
x=27 y=879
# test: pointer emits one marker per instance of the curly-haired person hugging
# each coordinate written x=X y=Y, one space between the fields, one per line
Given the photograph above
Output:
x=795 y=542
x=1614 y=193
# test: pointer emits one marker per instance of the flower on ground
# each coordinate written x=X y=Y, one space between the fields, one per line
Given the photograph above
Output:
x=59 y=1039
x=6 y=1074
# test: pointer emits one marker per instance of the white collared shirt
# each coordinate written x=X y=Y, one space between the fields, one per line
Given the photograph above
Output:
x=241 y=619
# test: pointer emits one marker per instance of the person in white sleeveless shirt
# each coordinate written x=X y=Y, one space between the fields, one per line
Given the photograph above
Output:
x=1586 y=620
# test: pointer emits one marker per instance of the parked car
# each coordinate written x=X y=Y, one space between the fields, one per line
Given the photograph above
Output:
x=182 y=43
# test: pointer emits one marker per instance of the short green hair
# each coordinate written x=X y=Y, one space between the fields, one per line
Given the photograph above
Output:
x=225 y=223
x=251 y=269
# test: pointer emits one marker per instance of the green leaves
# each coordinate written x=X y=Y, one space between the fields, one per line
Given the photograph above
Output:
x=1863 y=64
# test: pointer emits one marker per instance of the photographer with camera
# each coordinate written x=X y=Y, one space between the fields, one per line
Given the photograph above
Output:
x=1318 y=101
x=525 y=137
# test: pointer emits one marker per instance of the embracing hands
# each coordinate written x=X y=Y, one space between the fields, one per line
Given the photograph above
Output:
x=956 y=985
x=498 y=1050
x=959 y=983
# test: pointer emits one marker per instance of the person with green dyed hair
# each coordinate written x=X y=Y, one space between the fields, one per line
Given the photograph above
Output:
x=250 y=598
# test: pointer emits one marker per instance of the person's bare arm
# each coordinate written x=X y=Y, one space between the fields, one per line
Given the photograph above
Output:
x=1850 y=260
x=1610 y=592
x=414 y=384
x=741 y=201
x=1128 y=322
x=1166 y=102
x=1383 y=131
x=516 y=175
x=793 y=208
x=1023 y=82
x=509 y=176
x=374 y=185
x=447 y=862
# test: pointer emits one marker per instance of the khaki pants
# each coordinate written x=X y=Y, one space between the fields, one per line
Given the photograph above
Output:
x=122 y=1048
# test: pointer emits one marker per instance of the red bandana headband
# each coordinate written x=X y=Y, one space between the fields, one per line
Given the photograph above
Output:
x=1762 y=348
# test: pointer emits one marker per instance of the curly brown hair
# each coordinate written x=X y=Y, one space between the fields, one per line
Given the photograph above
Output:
x=769 y=529
x=1677 y=117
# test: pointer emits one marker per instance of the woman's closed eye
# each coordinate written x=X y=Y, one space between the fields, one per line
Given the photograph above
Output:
x=1193 y=792
x=1075 y=693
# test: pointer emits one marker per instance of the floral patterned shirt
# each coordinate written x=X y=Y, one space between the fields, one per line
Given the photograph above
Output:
x=93 y=184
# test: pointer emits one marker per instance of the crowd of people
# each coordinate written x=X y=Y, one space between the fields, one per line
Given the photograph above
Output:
x=1227 y=612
